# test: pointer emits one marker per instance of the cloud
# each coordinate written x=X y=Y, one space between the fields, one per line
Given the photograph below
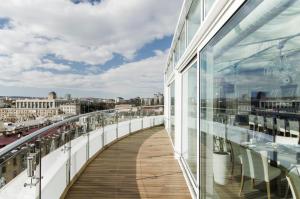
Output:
x=86 y=33
x=139 y=78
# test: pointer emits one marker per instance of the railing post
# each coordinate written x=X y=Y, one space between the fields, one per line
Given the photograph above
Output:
x=85 y=129
x=142 y=119
x=88 y=147
x=69 y=158
x=130 y=118
x=117 y=123
x=102 y=123
x=39 y=177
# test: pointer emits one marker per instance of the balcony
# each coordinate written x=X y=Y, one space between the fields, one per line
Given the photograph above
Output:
x=141 y=165
x=106 y=154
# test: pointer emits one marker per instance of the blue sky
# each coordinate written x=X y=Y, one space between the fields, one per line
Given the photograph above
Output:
x=89 y=48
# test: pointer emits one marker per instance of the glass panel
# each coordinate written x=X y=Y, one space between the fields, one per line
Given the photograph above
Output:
x=172 y=110
x=182 y=41
x=193 y=20
x=169 y=70
x=176 y=53
x=172 y=62
x=189 y=121
x=249 y=104
x=208 y=4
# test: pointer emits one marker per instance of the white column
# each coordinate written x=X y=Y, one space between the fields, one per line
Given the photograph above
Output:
x=178 y=92
x=166 y=104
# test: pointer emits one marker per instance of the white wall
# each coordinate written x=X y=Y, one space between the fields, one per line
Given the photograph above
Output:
x=54 y=165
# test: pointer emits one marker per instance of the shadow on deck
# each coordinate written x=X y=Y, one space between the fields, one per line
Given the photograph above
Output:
x=141 y=165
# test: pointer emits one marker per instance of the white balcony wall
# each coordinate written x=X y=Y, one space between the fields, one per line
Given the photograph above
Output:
x=54 y=165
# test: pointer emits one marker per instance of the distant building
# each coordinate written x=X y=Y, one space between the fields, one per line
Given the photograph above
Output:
x=29 y=109
x=68 y=97
x=8 y=114
x=107 y=100
x=158 y=99
x=52 y=95
x=119 y=100
x=147 y=101
x=72 y=109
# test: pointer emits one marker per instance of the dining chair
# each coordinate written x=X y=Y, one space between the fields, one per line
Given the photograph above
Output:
x=281 y=126
x=245 y=168
x=259 y=169
x=236 y=158
x=294 y=128
x=252 y=121
x=270 y=123
x=293 y=179
x=260 y=123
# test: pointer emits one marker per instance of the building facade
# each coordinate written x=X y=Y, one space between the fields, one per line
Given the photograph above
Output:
x=30 y=109
x=70 y=109
x=232 y=97
x=8 y=114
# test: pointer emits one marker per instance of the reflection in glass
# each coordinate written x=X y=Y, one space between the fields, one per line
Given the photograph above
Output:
x=172 y=111
x=250 y=102
x=208 y=4
x=189 y=121
x=193 y=20
x=182 y=41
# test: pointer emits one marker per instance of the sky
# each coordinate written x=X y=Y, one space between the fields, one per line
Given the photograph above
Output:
x=89 y=48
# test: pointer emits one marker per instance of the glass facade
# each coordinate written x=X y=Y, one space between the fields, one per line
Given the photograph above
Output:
x=182 y=41
x=189 y=118
x=177 y=53
x=188 y=30
x=207 y=6
x=172 y=111
x=193 y=20
x=169 y=71
x=250 y=104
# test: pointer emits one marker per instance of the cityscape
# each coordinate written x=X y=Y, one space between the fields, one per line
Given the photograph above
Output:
x=21 y=116
x=131 y=99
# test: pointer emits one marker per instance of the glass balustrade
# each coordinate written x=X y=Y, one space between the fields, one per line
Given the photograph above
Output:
x=42 y=164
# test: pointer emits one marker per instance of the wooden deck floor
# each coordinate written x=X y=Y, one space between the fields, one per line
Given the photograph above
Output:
x=139 y=166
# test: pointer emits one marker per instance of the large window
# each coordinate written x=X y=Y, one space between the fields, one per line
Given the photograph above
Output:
x=250 y=104
x=182 y=41
x=177 y=53
x=189 y=118
x=207 y=5
x=172 y=111
x=193 y=19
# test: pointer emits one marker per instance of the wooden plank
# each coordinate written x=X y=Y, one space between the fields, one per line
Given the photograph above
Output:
x=139 y=166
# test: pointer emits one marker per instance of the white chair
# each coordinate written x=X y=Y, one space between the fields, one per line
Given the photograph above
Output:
x=260 y=123
x=286 y=140
x=293 y=178
x=270 y=123
x=245 y=168
x=294 y=128
x=281 y=127
x=258 y=168
x=236 y=158
x=252 y=121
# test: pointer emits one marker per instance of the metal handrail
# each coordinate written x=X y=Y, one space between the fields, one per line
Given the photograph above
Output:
x=8 y=148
